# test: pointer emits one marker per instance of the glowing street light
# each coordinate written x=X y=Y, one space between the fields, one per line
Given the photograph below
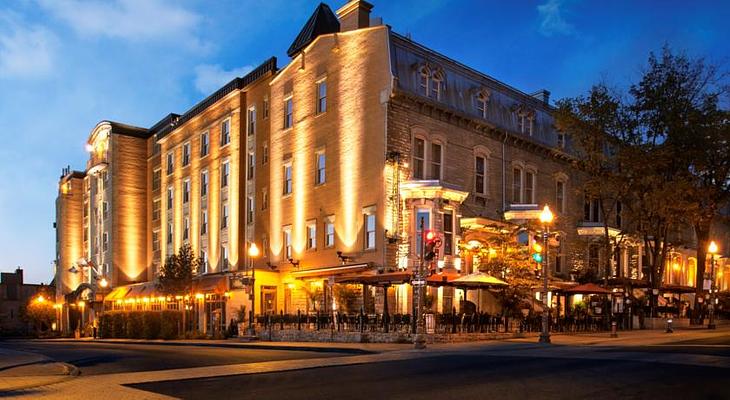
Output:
x=712 y=249
x=546 y=217
x=40 y=299
x=103 y=283
x=253 y=252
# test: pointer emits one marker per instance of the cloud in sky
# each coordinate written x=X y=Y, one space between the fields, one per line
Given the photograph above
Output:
x=125 y=19
x=26 y=51
x=209 y=78
x=552 y=22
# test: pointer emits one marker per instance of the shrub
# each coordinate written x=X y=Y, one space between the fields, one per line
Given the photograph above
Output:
x=118 y=322
x=151 y=325
x=134 y=325
x=169 y=324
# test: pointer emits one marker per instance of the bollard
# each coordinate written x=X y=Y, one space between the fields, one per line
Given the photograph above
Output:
x=281 y=321
x=614 y=334
x=299 y=320
x=669 y=326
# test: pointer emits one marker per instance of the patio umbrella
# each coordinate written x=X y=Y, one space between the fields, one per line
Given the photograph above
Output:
x=478 y=280
x=587 y=288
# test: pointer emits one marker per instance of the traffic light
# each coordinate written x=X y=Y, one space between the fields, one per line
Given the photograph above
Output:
x=432 y=243
x=537 y=252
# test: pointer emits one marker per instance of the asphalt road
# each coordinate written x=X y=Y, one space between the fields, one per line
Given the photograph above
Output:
x=107 y=358
x=467 y=377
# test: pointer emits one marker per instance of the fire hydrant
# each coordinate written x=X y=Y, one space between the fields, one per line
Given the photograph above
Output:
x=669 y=326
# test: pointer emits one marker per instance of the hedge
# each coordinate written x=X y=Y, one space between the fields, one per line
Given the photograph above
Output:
x=140 y=324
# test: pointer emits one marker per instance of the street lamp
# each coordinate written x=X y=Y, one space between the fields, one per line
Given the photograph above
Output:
x=712 y=249
x=253 y=252
x=40 y=299
x=546 y=218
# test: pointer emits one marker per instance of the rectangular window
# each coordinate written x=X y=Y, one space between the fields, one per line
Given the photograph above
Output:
x=169 y=232
x=288 y=112
x=329 y=231
x=591 y=210
x=105 y=210
x=321 y=96
x=423 y=215
x=423 y=82
x=186 y=191
x=155 y=241
x=481 y=106
x=225 y=172
x=224 y=256
x=170 y=163
x=448 y=232
x=436 y=161
x=204 y=264
x=264 y=198
x=264 y=154
x=204 y=144
x=170 y=197
x=250 y=210
x=480 y=180
x=252 y=121
x=105 y=241
x=529 y=187
x=186 y=228
x=203 y=222
x=156 y=179
x=516 y=186
x=186 y=154
x=369 y=230
x=321 y=161
x=286 y=236
x=287 y=179
x=251 y=165
x=266 y=108
x=203 y=183
x=224 y=216
x=560 y=196
x=225 y=132
x=419 y=157
x=156 y=209
x=311 y=235
x=436 y=88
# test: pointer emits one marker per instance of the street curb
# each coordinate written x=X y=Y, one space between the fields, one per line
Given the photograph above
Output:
x=70 y=369
x=342 y=350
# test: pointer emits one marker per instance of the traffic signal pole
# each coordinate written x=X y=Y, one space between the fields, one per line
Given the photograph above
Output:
x=419 y=340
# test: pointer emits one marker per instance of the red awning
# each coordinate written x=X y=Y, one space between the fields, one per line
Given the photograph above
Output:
x=388 y=278
x=587 y=288
x=211 y=284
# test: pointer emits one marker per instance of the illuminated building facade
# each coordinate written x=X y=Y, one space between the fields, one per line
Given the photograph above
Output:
x=329 y=165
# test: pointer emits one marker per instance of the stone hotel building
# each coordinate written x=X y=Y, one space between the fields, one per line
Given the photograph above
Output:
x=326 y=164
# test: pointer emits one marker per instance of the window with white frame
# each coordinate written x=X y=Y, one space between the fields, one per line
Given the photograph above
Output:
x=186 y=228
x=481 y=100
x=225 y=132
x=186 y=154
x=419 y=158
x=203 y=222
x=560 y=196
x=423 y=80
x=156 y=207
x=204 y=144
x=288 y=112
x=249 y=210
x=169 y=232
x=591 y=210
x=321 y=96
x=203 y=183
x=286 y=237
x=436 y=85
x=448 y=229
x=156 y=179
x=204 y=262
x=264 y=198
x=251 y=121
x=186 y=190
x=225 y=173
x=529 y=187
x=370 y=226
x=311 y=235
x=170 y=197
x=320 y=174
x=329 y=231
x=156 y=240
x=480 y=175
x=517 y=185
x=170 y=163
x=224 y=256
x=436 y=154
x=525 y=122
x=287 y=174
x=251 y=165
x=224 y=216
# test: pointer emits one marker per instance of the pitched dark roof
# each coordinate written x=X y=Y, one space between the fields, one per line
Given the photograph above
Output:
x=173 y=120
x=323 y=21
x=129 y=130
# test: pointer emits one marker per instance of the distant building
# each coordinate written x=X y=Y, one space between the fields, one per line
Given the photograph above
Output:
x=14 y=297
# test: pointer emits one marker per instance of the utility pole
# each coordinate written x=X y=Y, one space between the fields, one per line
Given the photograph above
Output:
x=419 y=283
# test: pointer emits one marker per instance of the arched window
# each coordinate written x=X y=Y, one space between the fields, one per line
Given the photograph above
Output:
x=480 y=102
x=436 y=85
x=423 y=80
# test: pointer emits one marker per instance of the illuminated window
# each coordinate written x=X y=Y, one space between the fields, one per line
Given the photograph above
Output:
x=419 y=158
x=329 y=231
x=186 y=191
x=265 y=154
x=287 y=179
x=436 y=154
x=320 y=175
x=156 y=179
x=203 y=183
x=186 y=228
x=203 y=222
x=249 y=210
x=321 y=96
x=560 y=196
x=225 y=172
x=311 y=235
x=448 y=228
x=225 y=132
x=288 y=112
x=252 y=121
x=170 y=197
x=204 y=144
x=480 y=175
x=369 y=217
x=266 y=108
x=517 y=185
x=286 y=236
x=264 y=198
x=224 y=216
x=251 y=165
x=186 y=154
x=170 y=163
x=156 y=206
x=529 y=187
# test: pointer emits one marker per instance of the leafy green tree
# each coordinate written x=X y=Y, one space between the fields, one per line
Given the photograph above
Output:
x=40 y=314
x=176 y=275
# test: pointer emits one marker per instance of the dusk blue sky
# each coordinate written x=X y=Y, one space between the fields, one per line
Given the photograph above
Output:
x=67 y=64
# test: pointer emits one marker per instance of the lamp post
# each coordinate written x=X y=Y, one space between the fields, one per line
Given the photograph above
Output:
x=712 y=249
x=253 y=252
x=546 y=218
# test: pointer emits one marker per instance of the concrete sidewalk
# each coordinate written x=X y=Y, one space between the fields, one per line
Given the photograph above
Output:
x=20 y=370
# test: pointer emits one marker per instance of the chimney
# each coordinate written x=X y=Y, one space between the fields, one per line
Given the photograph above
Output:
x=542 y=95
x=354 y=15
